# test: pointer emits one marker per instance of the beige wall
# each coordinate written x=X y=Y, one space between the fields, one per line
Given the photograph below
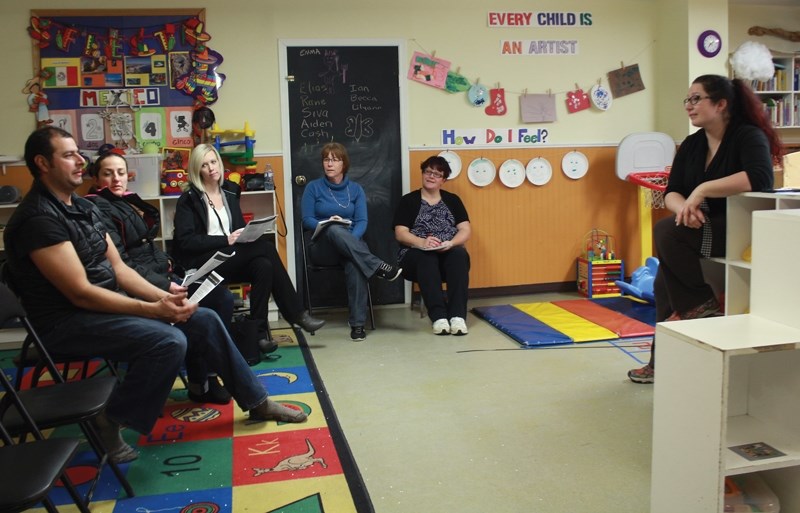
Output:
x=246 y=33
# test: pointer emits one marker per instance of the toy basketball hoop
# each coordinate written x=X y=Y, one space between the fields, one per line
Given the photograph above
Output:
x=653 y=184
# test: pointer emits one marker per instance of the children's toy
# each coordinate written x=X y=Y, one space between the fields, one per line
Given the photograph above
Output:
x=599 y=245
x=171 y=182
x=599 y=269
x=641 y=285
x=235 y=145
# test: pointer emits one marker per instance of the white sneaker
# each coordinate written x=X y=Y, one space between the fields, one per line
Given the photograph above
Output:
x=458 y=326
x=441 y=327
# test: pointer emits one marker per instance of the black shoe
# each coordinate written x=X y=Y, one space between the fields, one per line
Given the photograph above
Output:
x=358 y=333
x=216 y=393
x=388 y=271
x=308 y=323
x=267 y=345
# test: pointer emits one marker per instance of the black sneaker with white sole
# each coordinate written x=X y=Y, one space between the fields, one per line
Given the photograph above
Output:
x=358 y=333
x=388 y=271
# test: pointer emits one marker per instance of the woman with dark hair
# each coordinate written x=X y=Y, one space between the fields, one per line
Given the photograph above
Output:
x=208 y=219
x=733 y=152
x=432 y=227
x=336 y=197
x=133 y=225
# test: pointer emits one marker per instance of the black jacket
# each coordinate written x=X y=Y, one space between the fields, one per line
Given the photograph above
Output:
x=82 y=224
x=192 y=245
x=133 y=234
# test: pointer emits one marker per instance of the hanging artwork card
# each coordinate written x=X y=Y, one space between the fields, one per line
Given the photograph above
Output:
x=537 y=108
x=577 y=101
x=624 y=81
x=428 y=70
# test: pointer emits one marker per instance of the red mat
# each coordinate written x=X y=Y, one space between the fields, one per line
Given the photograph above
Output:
x=616 y=322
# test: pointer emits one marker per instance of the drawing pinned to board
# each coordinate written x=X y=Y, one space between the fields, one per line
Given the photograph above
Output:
x=428 y=70
x=537 y=108
x=624 y=81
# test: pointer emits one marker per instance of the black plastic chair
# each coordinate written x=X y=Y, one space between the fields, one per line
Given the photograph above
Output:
x=30 y=470
x=310 y=266
x=60 y=404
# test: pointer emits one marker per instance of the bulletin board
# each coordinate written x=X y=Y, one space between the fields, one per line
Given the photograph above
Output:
x=131 y=78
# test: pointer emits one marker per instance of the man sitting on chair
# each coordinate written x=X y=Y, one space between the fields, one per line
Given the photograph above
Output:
x=85 y=302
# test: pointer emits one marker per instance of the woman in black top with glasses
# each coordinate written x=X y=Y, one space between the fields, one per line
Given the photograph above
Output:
x=733 y=152
x=432 y=226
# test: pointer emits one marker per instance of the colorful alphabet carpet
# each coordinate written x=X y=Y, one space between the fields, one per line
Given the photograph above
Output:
x=572 y=321
x=209 y=458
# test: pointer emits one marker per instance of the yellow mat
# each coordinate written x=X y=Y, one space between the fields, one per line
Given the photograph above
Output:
x=571 y=325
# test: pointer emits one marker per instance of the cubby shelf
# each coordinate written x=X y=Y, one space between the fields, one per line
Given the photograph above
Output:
x=729 y=381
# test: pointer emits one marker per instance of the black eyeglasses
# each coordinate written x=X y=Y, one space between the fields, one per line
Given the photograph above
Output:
x=694 y=99
x=334 y=161
x=435 y=174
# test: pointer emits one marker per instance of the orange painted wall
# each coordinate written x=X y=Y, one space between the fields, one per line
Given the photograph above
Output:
x=533 y=235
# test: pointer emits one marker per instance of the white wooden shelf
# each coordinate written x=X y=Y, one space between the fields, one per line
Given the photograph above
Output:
x=734 y=380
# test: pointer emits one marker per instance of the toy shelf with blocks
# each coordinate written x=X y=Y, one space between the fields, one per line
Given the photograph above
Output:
x=596 y=278
x=731 y=382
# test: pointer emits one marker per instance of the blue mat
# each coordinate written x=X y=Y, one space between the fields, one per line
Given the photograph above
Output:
x=520 y=326
x=530 y=331
x=643 y=312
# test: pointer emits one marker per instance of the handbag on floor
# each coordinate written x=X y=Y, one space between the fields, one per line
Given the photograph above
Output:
x=244 y=332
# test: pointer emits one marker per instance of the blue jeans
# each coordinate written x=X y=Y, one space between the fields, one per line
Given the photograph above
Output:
x=338 y=246
x=155 y=352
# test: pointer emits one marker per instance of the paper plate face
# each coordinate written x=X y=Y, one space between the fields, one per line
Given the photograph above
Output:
x=575 y=165
x=512 y=173
x=481 y=172
x=539 y=171
x=454 y=161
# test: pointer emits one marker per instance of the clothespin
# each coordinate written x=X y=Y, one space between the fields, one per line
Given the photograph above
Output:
x=622 y=65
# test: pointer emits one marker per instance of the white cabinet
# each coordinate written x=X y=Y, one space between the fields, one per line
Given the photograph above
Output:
x=739 y=238
x=733 y=380
x=781 y=94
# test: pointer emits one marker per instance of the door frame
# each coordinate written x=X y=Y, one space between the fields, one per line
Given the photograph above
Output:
x=402 y=63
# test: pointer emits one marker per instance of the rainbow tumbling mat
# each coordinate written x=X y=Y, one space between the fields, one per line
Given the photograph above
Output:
x=572 y=321
x=209 y=459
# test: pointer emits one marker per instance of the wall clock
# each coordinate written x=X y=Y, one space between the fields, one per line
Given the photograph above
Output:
x=709 y=43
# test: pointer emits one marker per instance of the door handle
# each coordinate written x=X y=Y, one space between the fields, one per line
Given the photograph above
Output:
x=300 y=180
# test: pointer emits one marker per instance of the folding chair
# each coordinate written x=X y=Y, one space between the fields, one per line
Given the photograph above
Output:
x=309 y=266
x=60 y=404
x=30 y=470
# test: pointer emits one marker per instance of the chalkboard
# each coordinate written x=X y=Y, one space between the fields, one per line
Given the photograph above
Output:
x=350 y=95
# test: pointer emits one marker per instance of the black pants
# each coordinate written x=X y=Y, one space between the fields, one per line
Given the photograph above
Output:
x=679 y=284
x=259 y=264
x=430 y=269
